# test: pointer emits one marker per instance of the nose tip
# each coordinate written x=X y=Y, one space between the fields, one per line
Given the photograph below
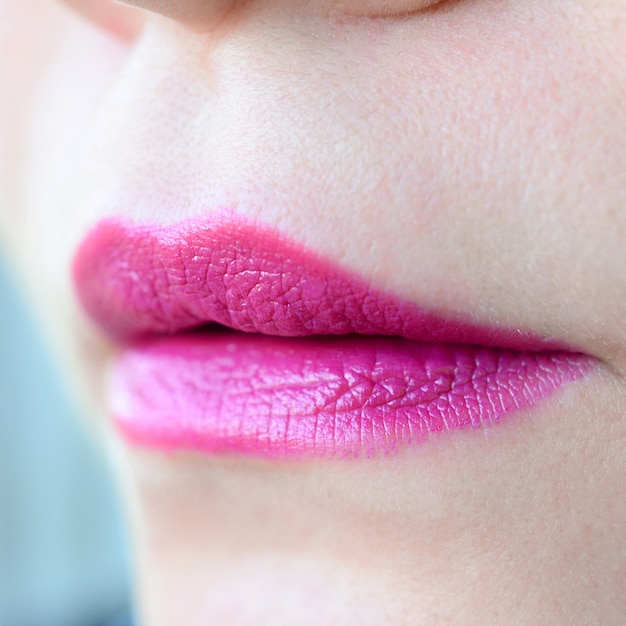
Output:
x=192 y=12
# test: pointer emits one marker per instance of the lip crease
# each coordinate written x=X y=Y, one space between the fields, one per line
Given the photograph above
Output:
x=326 y=365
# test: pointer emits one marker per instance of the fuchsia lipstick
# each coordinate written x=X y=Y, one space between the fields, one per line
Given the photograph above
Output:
x=326 y=365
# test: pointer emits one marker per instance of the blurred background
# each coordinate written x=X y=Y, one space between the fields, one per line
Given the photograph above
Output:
x=63 y=559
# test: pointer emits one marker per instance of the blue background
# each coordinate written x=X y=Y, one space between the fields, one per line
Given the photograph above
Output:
x=62 y=551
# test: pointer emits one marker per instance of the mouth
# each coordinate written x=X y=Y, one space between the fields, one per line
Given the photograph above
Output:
x=236 y=340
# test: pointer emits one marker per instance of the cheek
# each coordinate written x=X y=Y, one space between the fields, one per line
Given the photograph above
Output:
x=27 y=35
x=64 y=71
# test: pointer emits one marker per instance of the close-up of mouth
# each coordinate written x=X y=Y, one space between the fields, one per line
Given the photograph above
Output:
x=236 y=340
x=313 y=312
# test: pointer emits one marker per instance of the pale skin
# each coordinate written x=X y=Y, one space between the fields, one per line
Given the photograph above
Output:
x=469 y=155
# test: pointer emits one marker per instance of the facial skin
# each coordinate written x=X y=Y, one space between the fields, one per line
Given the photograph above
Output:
x=465 y=155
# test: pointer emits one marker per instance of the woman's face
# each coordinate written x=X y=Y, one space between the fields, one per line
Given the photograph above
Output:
x=468 y=158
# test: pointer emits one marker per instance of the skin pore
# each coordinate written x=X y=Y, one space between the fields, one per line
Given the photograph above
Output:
x=468 y=156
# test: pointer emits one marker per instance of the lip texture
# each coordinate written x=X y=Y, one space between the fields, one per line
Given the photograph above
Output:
x=305 y=380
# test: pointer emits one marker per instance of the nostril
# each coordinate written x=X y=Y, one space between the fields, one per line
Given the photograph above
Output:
x=124 y=22
x=189 y=12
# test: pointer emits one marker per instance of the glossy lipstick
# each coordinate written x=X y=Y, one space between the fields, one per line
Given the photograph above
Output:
x=326 y=365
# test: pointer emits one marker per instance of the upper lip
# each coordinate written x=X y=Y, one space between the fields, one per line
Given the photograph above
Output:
x=141 y=279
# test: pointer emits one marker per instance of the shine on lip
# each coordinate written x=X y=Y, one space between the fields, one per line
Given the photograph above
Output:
x=328 y=366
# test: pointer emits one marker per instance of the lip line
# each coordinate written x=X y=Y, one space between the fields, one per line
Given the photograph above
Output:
x=139 y=280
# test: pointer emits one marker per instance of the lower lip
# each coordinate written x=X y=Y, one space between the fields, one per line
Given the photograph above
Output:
x=348 y=397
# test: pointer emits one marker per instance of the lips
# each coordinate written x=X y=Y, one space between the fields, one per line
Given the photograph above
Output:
x=237 y=340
